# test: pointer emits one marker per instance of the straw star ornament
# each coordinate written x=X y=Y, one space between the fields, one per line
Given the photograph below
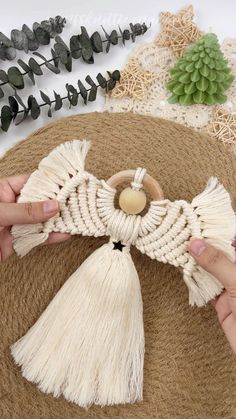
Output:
x=178 y=31
x=133 y=81
x=223 y=127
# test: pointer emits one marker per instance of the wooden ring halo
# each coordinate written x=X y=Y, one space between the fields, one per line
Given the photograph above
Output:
x=149 y=183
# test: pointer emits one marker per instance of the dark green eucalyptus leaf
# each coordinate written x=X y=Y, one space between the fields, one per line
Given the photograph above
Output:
x=72 y=94
x=2 y=52
x=1 y=93
x=45 y=98
x=137 y=29
x=90 y=81
x=46 y=25
x=10 y=53
x=5 y=40
x=41 y=34
x=110 y=84
x=83 y=91
x=33 y=107
x=28 y=32
x=33 y=43
x=145 y=28
x=125 y=35
x=96 y=42
x=115 y=75
x=61 y=52
x=101 y=80
x=39 y=55
x=25 y=66
x=87 y=50
x=75 y=47
x=50 y=66
x=64 y=52
x=25 y=109
x=35 y=67
x=133 y=34
x=3 y=76
x=58 y=101
x=15 y=77
x=68 y=65
x=108 y=47
x=19 y=100
x=19 y=40
x=92 y=93
x=59 y=40
x=57 y=25
x=114 y=37
x=56 y=59
x=6 y=117
x=13 y=105
x=27 y=70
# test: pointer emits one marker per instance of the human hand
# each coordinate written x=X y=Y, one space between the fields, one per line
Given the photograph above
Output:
x=216 y=262
x=27 y=213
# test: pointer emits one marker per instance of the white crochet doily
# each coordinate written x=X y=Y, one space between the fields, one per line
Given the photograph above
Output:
x=159 y=60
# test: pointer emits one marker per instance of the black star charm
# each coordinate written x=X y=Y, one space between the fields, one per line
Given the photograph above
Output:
x=118 y=246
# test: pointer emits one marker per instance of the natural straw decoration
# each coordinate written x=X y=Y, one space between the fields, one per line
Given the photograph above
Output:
x=223 y=127
x=133 y=81
x=178 y=31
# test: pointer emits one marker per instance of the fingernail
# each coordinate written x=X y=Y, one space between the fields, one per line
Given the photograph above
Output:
x=197 y=246
x=50 y=207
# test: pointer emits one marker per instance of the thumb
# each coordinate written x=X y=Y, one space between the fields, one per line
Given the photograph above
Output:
x=215 y=262
x=27 y=213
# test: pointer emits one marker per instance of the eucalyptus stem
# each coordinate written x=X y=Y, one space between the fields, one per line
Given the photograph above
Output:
x=10 y=112
x=30 y=39
x=81 y=46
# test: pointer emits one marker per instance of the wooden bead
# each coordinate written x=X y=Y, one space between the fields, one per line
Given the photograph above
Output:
x=131 y=201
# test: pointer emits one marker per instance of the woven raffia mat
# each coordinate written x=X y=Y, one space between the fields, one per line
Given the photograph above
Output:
x=190 y=371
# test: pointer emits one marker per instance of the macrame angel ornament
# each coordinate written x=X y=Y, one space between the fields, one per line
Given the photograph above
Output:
x=88 y=345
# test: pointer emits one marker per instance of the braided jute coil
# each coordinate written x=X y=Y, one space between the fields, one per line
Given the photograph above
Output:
x=87 y=208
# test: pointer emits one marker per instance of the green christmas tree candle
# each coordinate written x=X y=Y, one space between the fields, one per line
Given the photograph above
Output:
x=201 y=75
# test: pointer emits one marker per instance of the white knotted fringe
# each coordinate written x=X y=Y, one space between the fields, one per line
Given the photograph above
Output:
x=88 y=345
x=54 y=171
x=218 y=226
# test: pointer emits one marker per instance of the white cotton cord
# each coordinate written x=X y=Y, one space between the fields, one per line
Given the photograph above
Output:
x=137 y=183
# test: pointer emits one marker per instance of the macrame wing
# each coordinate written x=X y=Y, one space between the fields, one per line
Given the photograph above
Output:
x=61 y=175
x=209 y=216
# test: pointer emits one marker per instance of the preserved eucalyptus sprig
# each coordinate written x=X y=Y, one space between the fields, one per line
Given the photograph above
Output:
x=17 y=107
x=81 y=46
x=30 y=39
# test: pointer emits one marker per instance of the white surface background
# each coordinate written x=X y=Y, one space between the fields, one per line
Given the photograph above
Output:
x=217 y=16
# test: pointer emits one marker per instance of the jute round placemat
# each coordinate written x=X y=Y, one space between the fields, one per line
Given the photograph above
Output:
x=190 y=371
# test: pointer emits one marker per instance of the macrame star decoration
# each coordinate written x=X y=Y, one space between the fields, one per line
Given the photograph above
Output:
x=133 y=81
x=223 y=127
x=178 y=31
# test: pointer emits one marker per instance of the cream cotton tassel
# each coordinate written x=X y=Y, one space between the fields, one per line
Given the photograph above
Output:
x=88 y=345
